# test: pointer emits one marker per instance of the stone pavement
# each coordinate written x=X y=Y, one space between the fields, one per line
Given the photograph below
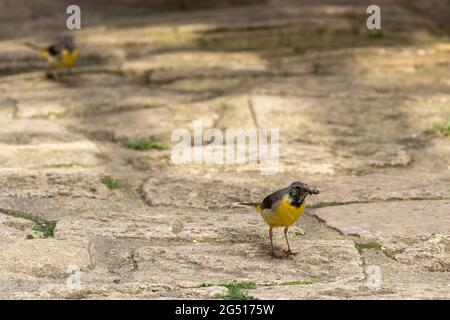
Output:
x=355 y=108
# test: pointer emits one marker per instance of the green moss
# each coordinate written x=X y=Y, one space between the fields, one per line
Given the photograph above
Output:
x=295 y=283
x=143 y=144
x=110 y=183
x=368 y=245
x=235 y=293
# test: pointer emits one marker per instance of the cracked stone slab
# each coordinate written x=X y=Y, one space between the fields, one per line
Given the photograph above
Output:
x=162 y=223
x=131 y=290
x=158 y=122
x=229 y=60
x=209 y=189
x=25 y=131
x=21 y=184
x=44 y=257
x=167 y=76
x=332 y=290
x=431 y=252
x=211 y=193
x=13 y=228
x=193 y=264
x=400 y=280
x=103 y=92
x=383 y=220
x=212 y=188
x=383 y=186
x=344 y=109
x=81 y=153
x=21 y=286
x=312 y=123
x=7 y=109
x=52 y=210
x=351 y=290
x=42 y=109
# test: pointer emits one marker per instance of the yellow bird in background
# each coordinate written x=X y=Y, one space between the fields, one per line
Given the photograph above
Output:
x=283 y=207
x=62 y=54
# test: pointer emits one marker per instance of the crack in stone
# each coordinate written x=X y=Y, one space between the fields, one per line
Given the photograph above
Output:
x=252 y=112
x=326 y=204
x=324 y=223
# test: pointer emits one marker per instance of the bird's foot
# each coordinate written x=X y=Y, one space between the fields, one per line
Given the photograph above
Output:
x=274 y=256
x=289 y=253
x=51 y=75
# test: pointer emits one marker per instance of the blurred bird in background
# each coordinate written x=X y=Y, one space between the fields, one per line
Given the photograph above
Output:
x=63 y=54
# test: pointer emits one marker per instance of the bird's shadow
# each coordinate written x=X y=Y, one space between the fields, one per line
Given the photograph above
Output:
x=265 y=251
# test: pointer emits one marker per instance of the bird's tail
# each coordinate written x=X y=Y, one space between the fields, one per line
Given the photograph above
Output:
x=249 y=204
x=32 y=45
x=255 y=205
x=42 y=51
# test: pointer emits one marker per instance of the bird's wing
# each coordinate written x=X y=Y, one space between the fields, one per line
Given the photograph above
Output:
x=55 y=49
x=273 y=198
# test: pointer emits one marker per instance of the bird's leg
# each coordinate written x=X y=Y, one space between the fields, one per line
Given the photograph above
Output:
x=271 y=242
x=289 y=252
x=51 y=74
x=56 y=75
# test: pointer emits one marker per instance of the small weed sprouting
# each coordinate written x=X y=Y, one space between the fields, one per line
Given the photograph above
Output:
x=110 y=183
x=235 y=293
x=47 y=229
x=441 y=129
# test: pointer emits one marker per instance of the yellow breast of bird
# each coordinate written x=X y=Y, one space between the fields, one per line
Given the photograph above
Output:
x=282 y=214
x=66 y=60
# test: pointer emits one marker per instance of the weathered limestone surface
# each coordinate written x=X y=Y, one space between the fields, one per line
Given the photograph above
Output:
x=393 y=218
x=43 y=257
x=355 y=108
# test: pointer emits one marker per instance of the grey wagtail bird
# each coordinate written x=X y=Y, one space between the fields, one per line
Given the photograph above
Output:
x=283 y=207
x=61 y=54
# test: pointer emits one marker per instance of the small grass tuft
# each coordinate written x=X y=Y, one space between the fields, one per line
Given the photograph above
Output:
x=143 y=144
x=296 y=283
x=441 y=129
x=235 y=293
x=110 y=183
x=47 y=229
x=368 y=245
x=205 y=285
